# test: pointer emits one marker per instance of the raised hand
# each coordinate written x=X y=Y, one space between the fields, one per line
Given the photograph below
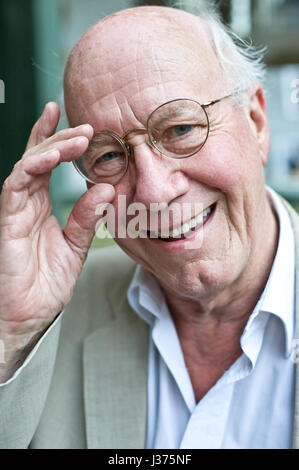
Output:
x=40 y=262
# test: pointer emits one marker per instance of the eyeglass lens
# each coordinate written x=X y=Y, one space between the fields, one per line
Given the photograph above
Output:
x=177 y=129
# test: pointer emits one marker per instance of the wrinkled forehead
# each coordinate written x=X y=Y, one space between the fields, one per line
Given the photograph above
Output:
x=125 y=67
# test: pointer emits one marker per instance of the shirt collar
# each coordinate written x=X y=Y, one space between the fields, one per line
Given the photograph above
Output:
x=278 y=297
x=146 y=297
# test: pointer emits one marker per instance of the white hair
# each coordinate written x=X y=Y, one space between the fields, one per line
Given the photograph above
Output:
x=241 y=62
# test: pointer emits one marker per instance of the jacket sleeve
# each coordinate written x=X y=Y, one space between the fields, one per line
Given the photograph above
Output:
x=23 y=396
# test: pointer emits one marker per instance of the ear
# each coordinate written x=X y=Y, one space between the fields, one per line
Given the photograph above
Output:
x=258 y=120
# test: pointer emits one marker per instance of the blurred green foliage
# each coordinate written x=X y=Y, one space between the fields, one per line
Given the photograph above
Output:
x=18 y=113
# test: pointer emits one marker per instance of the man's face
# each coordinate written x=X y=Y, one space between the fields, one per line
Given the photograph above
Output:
x=117 y=90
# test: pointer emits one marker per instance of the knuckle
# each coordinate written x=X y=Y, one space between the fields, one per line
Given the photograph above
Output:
x=60 y=134
x=16 y=171
x=17 y=166
x=7 y=184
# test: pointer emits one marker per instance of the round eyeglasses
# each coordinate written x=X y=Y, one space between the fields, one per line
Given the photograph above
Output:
x=177 y=129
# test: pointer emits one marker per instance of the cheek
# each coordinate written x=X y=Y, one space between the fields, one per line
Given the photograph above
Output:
x=225 y=163
x=124 y=192
x=123 y=195
x=124 y=187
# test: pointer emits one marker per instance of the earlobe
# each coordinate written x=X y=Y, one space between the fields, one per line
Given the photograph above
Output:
x=259 y=121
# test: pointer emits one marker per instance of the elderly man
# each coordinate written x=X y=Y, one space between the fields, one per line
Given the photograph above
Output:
x=193 y=347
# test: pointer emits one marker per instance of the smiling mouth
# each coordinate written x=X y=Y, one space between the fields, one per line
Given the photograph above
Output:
x=186 y=229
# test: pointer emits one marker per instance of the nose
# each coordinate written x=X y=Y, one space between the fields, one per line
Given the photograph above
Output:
x=156 y=178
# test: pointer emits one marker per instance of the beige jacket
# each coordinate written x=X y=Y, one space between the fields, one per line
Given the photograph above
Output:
x=95 y=396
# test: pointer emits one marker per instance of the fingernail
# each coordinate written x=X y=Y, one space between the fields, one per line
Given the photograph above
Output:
x=45 y=107
x=85 y=128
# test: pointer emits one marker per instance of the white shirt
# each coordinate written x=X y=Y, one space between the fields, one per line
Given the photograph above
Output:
x=252 y=404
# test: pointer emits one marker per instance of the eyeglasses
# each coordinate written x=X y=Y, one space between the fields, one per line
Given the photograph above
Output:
x=177 y=129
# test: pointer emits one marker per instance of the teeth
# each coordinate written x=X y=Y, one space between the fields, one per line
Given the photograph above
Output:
x=207 y=211
x=175 y=233
x=192 y=223
x=199 y=217
x=186 y=227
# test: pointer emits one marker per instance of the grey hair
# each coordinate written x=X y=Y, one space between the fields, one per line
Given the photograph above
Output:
x=241 y=62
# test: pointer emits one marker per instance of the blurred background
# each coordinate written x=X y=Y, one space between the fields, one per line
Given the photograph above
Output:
x=36 y=37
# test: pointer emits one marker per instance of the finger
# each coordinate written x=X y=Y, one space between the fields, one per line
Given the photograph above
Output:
x=68 y=150
x=33 y=172
x=45 y=125
x=84 y=130
x=21 y=184
x=80 y=227
x=40 y=163
x=25 y=171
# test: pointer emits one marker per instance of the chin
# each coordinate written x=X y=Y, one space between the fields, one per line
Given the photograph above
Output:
x=205 y=278
x=191 y=273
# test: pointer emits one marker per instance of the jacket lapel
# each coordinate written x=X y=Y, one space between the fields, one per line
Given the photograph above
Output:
x=295 y=222
x=115 y=379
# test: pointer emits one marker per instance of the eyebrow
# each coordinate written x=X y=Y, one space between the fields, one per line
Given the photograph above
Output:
x=173 y=112
x=176 y=111
x=94 y=141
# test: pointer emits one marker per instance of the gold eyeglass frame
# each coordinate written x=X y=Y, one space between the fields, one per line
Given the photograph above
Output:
x=151 y=141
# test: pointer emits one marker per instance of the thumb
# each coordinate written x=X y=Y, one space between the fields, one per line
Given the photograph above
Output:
x=80 y=228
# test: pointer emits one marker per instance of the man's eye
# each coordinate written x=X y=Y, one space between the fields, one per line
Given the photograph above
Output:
x=177 y=131
x=107 y=157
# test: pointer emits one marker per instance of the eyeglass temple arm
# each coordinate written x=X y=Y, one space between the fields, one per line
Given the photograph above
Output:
x=236 y=92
